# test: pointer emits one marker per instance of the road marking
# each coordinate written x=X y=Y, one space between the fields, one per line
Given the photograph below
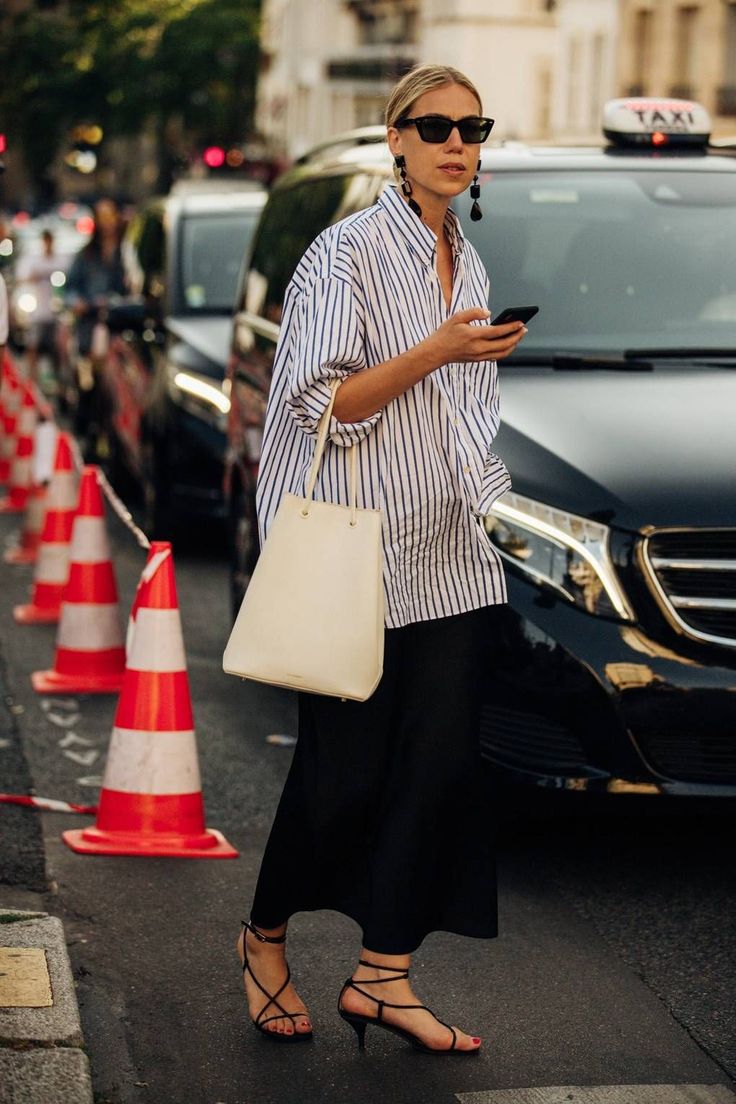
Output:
x=94 y=781
x=24 y=978
x=83 y=758
x=604 y=1094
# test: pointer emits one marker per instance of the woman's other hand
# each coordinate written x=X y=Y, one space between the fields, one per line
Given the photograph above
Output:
x=458 y=339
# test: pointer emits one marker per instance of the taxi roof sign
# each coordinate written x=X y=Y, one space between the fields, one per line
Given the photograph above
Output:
x=655 y=121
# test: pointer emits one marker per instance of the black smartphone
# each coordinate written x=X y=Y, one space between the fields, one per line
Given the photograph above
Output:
x=515 y=314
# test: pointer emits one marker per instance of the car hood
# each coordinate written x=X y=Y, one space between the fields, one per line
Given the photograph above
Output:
x=630 y=448
x=208 y=337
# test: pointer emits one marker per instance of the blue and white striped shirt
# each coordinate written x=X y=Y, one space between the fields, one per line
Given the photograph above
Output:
x=365 y=291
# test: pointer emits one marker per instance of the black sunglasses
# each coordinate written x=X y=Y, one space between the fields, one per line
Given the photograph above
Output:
x=438 y=128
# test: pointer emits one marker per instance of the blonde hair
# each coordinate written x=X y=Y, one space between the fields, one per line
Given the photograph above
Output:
x=421 y=79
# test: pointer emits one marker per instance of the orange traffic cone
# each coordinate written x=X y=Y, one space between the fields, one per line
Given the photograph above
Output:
x=90 y=656
x=26 y=551
x=151 y=798
x=52 y=561
x=13 y=396
x=19 y=481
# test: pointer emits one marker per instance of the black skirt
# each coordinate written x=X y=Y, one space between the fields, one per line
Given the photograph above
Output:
x=385 y=815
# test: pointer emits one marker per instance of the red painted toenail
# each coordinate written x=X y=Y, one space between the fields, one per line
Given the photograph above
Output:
x=476 y=1041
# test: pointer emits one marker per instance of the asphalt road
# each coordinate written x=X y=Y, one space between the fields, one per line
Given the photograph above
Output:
x=615 y=963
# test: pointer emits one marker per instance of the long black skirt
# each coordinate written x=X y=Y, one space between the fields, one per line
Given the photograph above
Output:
x=385 y=815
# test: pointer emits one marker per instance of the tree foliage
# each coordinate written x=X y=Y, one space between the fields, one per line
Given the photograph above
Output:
x=124 y=64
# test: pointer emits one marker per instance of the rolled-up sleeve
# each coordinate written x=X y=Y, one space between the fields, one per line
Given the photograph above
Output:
x=328 y=344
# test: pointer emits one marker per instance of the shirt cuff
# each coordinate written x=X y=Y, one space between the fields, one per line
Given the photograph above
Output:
x=308 y=407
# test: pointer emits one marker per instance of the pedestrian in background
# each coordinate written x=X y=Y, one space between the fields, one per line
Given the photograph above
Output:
x=37 y=271
x=383 y=816
x=95 y=278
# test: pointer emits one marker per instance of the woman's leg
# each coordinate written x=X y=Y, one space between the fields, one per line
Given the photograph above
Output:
x=318 y=851
x=433 y=853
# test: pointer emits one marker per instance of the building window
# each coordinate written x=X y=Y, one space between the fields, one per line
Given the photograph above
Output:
x=726 y=104
x=685 y=76
x=642 y=47
x=385 y=22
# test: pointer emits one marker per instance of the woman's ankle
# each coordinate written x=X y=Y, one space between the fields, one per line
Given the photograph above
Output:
x=382 y=967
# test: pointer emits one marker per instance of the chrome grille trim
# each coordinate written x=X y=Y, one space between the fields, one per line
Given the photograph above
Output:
x=661 y=562
x=703 y=603
x=671 y=603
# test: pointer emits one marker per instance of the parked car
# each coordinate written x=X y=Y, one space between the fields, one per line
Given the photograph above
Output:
x=617 y=665
x=164 y=422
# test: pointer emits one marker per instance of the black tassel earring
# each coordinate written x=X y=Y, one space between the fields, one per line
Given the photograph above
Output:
x=475 y=212
x=400 y=162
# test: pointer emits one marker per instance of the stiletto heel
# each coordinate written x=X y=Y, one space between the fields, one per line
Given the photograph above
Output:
x=359 y=1022
x=359 y=1027
x=259 y=1023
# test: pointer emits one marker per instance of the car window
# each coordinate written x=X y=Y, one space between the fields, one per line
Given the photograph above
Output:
x=292 y=219
x=212 y=248
x=614 y=260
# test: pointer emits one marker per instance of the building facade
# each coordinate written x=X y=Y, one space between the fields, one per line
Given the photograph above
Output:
x=544 y=68
x=683 y=49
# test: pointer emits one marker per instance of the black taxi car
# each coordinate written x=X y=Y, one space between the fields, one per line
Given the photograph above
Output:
x=616 y=669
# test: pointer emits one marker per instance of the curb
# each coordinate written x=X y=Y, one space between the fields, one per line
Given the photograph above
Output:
x=41 y=1060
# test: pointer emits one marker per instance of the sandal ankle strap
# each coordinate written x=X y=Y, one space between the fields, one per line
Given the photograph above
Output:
x=403 y=971
x=260 y=936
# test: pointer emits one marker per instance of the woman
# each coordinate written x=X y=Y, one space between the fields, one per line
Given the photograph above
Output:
x=95 y=277
x=382 y=816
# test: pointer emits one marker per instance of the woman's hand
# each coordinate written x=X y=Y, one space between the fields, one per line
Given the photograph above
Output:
x=458 y=340
x=367 y=391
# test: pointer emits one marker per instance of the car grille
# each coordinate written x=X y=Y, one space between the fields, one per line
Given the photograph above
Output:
x=693 y=739
x=693 y=576
x=530 y=742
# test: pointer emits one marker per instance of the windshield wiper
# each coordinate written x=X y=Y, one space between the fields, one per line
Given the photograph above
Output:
x=696 y=352
x=572 y=362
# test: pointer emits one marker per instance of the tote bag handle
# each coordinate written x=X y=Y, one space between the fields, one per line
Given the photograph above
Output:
x=319 y=448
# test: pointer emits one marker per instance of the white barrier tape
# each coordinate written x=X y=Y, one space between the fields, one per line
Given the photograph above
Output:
x=152 y=762
x=89 y=543
x=123 y=512
x=156 y=642
x=89 y=626
x=117 y=504
x=48 y=803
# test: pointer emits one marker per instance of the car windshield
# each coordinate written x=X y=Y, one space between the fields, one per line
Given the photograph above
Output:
x=615 y=260
x=212 y=248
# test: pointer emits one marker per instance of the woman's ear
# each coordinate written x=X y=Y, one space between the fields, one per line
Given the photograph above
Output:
x=394 y=140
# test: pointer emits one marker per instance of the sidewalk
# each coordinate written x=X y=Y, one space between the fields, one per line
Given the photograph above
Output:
x=41 y=1060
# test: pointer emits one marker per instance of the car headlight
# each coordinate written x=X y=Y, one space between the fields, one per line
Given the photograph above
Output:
x=563 y=551
x=210 y=401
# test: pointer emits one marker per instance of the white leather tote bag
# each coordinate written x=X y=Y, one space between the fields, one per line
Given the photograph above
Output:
x=312 y=616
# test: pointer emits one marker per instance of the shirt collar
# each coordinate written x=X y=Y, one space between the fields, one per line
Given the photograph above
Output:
x=419 y=237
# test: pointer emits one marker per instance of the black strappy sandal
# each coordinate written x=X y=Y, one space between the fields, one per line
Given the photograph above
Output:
x=359 y=1022
x=259 y=1023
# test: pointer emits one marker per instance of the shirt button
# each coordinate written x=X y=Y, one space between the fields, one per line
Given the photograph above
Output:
x=455 y=422
x=466 y=469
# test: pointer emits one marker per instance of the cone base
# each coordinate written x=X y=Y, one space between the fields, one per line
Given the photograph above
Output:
x=20 y=556
x=209 y=844
x=51 y=682
x=35 y=615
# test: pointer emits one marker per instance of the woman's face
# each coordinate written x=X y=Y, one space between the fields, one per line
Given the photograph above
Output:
x=445 y=169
